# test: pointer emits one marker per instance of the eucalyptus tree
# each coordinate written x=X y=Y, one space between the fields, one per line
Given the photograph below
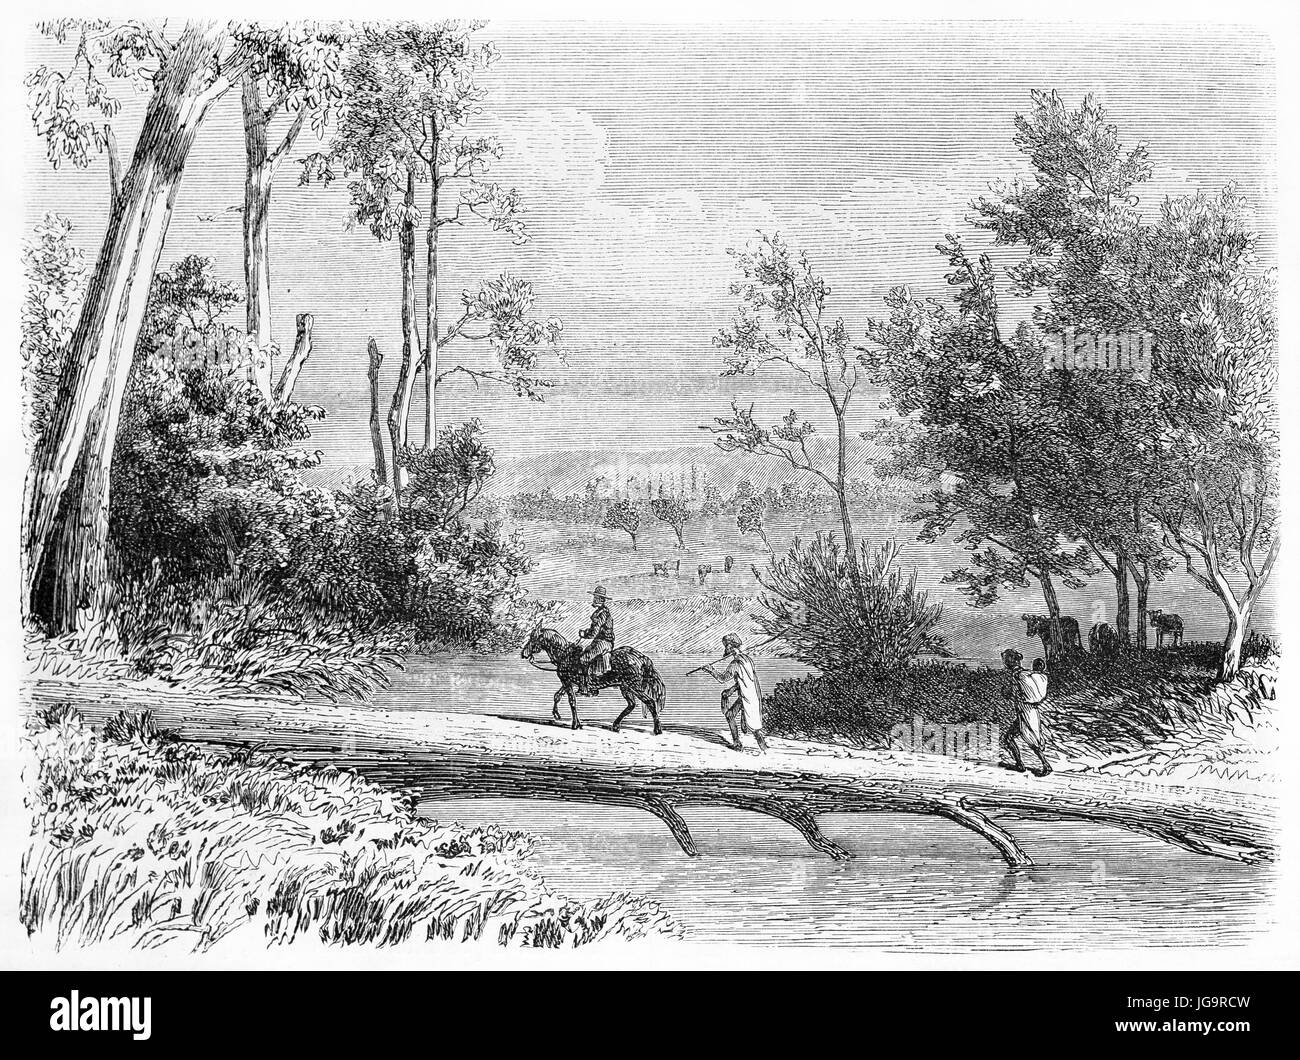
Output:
x=273 y=88
x=182 y=73
x=978 y=423
x=782 y=322
x=411 y=95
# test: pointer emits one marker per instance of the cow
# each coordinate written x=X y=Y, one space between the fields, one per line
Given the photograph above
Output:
x=1041 y=626
x=1103 y=640
x=727 y=565
x=703 y=571
x=660 y=569
x=1166 y=625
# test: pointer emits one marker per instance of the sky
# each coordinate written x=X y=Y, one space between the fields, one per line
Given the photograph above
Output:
x=643 y=152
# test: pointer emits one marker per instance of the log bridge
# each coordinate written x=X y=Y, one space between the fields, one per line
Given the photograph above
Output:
x=438 y=755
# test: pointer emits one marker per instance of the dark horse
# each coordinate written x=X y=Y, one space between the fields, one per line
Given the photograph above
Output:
x=629 y=671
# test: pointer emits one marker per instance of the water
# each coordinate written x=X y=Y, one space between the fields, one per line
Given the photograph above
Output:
x=917 y=883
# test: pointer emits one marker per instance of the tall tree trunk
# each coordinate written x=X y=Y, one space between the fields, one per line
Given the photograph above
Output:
x=294 y=365
x=257 y=240
x=67 y=490
x=258 y=177
x=431 y=310
x=399 y=413
x=1239 y=609
x=1238 y=626
x=842 y=495
x=1122 y=598
x=1055 y=639
x=376 y=432
x=1141 y=572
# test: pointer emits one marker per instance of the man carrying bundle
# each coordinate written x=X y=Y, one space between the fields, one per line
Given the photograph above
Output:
x=1028 y=693
x=742 y=698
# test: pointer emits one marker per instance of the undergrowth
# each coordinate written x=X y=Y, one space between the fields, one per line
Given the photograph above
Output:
x=142 y=840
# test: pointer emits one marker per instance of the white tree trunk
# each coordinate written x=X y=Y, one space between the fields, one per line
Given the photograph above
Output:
x=257 y=240
x=66 y=497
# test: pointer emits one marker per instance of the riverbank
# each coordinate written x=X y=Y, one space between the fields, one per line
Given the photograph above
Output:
x=139 y=839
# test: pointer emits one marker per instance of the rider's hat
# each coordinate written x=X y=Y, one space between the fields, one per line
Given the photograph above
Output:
x=731 y=640
x=598 y=593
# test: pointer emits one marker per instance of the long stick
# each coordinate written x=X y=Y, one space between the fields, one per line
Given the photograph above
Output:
x=760 y=644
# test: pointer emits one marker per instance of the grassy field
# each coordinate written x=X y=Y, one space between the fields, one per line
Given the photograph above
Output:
x=679 y=614
x=140 y=840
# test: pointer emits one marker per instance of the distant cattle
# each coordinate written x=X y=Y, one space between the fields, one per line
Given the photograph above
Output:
x=1041 y=626
x=1166 y=625
x=1103 y=640
x=703 y=571
x=727 y=565
x=660 y=569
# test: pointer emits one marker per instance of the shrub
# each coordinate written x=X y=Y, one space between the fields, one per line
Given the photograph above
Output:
x=813 y=606
x=56 y=281
x=1095 y=707
x=205 y=469
x=231 y=632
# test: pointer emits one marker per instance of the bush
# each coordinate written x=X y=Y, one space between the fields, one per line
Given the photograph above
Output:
x=56 y=282
x=205 y=470
x=222 y=634
x=144 y=841
x=466 y=582
x=1094 y=707
x=813 y=606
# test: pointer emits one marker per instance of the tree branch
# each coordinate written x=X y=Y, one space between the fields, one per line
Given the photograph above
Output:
x=286 y=144
x=114 y=168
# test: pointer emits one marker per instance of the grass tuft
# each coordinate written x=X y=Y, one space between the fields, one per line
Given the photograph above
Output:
x=140 y=839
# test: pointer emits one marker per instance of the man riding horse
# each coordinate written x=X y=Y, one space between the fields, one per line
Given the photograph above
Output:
x=596 y=641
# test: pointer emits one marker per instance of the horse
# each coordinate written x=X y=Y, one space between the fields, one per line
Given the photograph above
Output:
x=1170 y=624
x=1041 y=626
x=629 y=671
x=1103 y=640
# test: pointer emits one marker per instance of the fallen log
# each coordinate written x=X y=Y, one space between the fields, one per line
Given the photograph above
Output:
x=440 y=755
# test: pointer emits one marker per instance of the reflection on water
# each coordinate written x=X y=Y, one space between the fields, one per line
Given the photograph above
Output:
x=916 y=883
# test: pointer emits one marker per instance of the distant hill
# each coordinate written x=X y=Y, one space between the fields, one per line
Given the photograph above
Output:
x=681 y=469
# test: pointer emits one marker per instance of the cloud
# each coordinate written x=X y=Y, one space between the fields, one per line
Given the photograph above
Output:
x=549 y=152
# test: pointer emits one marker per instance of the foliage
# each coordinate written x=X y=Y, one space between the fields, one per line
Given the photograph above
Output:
x=503 y=306
x=207 y=473
x=56 y=281
x=749 y=519
x=812 y=605
x=139 y=840
x=73 y=108
x=446 y=480
x=781 y=322
x=983 y=430
x=235 y=633
x=188 y=294
x=1191 y=456
x=466 y=583
x=1153 y=714
x=674 y=511
x=1220 y=425
x=625 y=515
x=412 y=91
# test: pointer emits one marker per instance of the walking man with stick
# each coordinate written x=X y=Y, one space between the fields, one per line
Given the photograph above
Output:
x=742 y=698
